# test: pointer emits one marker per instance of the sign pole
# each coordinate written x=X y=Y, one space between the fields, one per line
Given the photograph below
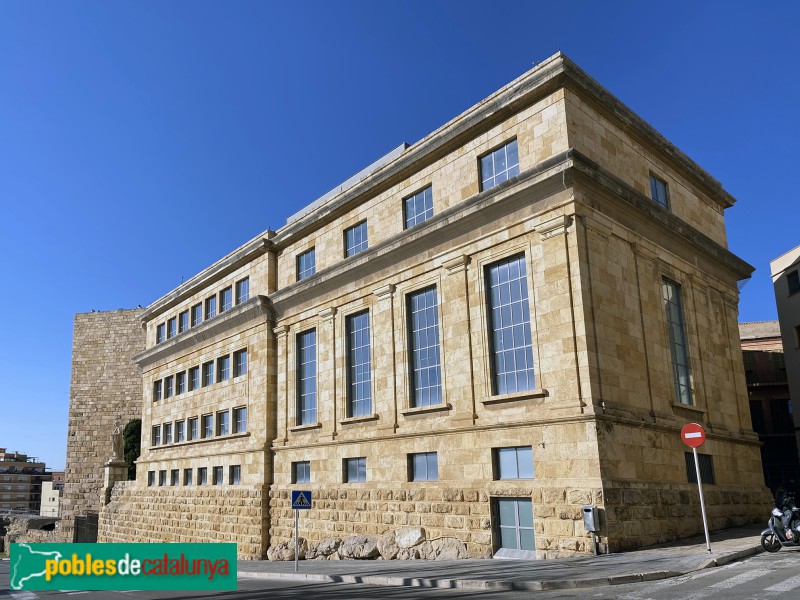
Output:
x=702 y=501
x=297 y=541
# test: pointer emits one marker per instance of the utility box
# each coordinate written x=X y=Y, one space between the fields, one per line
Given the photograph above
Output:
x=591 y=522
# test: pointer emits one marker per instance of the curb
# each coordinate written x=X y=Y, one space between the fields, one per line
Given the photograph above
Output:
x=499 y=584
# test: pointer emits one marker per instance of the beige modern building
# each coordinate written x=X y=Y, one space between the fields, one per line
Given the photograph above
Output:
x=51 y=500
x=786 y=282
x=21 y=478
x=477 y=335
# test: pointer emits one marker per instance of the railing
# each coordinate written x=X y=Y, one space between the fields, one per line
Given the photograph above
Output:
x=765 y=376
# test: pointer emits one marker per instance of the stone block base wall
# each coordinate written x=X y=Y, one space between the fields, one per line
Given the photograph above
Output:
x=178 y=514
x=463 y=513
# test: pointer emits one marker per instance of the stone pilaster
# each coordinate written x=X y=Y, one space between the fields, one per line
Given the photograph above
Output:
x=383 y=357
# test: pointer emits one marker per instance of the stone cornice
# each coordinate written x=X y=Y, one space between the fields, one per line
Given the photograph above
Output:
x=257 y=307
x=209 y=275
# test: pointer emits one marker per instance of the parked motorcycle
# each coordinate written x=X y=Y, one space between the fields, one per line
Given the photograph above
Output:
x=774 y=537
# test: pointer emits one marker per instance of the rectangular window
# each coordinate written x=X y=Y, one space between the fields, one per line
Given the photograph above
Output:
x=180 y=431
x=511 y=347
x=513 y=463
x=187 y=477
x=355 y=239
x=211 y=307
x=192 y=433
x=162 y=477
x=240 y=419
x=197 y=314
x=174 y=477
x=155 y=437
x=160 y=336
x=419 y=207
x=706 y=468
x=151 y=478
x=679 y=351
x=202 y=476
x=240 y=363
x=235 y=474
x=242 y=290
x=423 y=335
x=157 y=390
x=423 y=466
x=355 y=470
x=208 y=373
x=180 y=383
x=169 y=383
x=167 y=433
x=194 y=378
x=207 y=425
x=183 y=321
x=499 y=165
x=224 y=367
x=218 y=476
x=301 y=472
x=226 y=299
x=306 y=264
x=359 y=367
x=307 y=377
x=659 y=191
x=223 y=422
x=172 y=327
x=793 y=281
x=514 y=518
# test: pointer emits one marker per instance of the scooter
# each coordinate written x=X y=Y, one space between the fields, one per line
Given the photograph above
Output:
x=774 y=537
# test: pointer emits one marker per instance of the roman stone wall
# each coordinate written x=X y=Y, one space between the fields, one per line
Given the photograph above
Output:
x=105 y=386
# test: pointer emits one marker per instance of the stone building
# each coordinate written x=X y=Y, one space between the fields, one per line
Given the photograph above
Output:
x=478 y=335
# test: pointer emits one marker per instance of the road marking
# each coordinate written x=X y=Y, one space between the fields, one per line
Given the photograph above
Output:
x=23 y=595
x=785 y=586
x=740 y=579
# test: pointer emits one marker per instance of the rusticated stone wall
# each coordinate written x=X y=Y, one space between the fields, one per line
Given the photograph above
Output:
x=186 y=514
x=105 y=386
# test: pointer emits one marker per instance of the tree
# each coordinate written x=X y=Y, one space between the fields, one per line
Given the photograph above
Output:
x=132 y=435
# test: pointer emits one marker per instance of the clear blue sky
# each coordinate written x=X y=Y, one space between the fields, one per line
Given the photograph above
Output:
x=141 y=141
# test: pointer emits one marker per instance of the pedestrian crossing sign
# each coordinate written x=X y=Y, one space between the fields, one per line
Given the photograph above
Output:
x=301 y=499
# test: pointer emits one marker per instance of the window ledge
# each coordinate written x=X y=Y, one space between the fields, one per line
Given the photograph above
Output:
x=539 y=393
x=421 y=410
x=364 y=419
x=691 y=407
x=213 y=438
x=305 y=427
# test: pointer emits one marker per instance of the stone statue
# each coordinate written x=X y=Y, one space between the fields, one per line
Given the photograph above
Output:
x=117 y=443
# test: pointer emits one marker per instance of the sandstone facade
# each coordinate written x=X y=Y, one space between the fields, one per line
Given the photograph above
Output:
x=599 y=414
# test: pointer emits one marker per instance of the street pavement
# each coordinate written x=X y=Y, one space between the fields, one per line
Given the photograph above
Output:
x=654 y=563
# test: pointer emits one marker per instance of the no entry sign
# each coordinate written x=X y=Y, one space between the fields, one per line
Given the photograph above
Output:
x=693 y=435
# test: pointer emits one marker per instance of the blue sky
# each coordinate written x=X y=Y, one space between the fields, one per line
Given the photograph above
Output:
x=139 y=142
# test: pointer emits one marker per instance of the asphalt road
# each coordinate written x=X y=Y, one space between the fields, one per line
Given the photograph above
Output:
x=762 y=577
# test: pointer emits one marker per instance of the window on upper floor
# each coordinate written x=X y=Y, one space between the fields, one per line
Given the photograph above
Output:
x=155 y=436
x=194 y=378
x=355 y=239
x=167 y=433
x=192 y=431
x=513 y=463
x=307 y=377
x=240 y=363
x=301 y=472
x=162 y=477
x=678 y=347
x=423 y=466
x=240 y=419
x=211 y=307
x=151 y=478
x=223 y=422
x=706 y=464
x=359 y=367
x=187 y=477
x=197 y=314
x=157 y=390
x=419 y=207
x=218 y=476
x=183 y=321
x=172 y=327
x=306 y=264
x=174 y=477
x=659 y=191
x=423 y=335
x=226 y=299
x=510 y=321
x=355 y=470
x=243 y=290
x=180 y=383
x=180 y=431
x=168 y=386
x=207 y=425
x=235 y=474
x=202 y=476
x=208 y=373
x=160 y=333
x=793 y=281
x=224 y=367
x=499 y=165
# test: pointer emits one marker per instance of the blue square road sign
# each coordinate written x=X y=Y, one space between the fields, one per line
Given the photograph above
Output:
x=301 y=499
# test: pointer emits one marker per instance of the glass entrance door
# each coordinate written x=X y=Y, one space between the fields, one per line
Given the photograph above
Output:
x=515 y=523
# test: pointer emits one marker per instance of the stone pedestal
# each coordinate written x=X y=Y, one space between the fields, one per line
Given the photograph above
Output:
x=115 y=470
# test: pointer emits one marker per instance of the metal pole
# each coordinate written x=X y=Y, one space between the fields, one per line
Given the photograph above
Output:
x=297 y=541
x=594 y=544
x=702 y=501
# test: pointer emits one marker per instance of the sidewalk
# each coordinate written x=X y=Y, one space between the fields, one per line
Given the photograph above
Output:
x=656 y=562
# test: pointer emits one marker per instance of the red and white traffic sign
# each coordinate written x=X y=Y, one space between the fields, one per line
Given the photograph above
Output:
x=693 y=435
